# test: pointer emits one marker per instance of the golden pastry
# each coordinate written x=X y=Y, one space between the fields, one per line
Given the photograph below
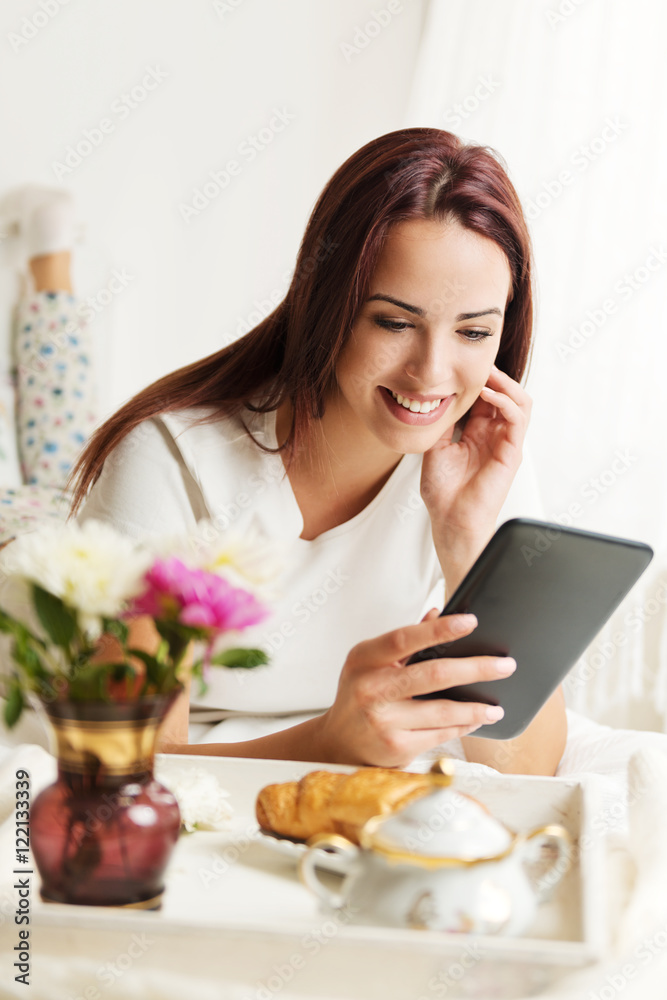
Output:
x=325 y=802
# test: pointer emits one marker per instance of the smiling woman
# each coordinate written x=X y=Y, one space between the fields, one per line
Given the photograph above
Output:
x=390 y=370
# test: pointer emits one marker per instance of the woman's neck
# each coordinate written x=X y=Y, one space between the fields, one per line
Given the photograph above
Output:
x=339 y=462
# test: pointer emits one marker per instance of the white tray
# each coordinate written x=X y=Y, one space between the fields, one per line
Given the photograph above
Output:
x=234 y=909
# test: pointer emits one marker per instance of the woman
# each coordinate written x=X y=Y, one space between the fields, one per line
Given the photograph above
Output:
x=375 y=422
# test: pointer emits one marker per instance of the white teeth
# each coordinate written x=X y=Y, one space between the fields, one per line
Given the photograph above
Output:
x=414 y=406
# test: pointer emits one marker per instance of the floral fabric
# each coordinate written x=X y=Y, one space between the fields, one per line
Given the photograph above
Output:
x=10 y=474
x=55 y=390
x=55 y=410
x=22 y=508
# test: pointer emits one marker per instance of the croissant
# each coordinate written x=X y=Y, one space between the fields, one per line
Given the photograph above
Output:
x=325 y=802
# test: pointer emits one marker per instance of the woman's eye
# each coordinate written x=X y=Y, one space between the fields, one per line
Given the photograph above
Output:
x=476 y=334
x=398 y=326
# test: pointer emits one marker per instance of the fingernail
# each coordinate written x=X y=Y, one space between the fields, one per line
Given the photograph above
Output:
x=494 y=713
x=505 y=665
x=463 y=623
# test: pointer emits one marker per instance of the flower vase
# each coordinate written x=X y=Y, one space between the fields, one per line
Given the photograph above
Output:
x=103 y=833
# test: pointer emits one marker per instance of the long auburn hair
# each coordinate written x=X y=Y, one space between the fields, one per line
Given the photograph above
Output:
x=413 y=173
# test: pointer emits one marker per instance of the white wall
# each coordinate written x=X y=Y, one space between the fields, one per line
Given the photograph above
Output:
x=227 y=66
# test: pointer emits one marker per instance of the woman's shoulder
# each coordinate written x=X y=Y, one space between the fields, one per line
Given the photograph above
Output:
x=207 y=423
x=205 y=441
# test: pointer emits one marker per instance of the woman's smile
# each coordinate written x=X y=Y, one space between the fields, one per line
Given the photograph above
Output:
x=415 y=411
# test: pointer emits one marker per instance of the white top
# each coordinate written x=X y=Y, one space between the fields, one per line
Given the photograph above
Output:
x=372 y=574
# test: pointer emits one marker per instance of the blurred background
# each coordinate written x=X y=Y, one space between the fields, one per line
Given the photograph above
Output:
x=138 y=109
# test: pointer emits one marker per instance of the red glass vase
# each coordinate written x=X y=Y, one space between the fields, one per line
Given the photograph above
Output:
x=102 y=834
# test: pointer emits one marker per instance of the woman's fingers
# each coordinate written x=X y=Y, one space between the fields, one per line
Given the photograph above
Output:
x=505 y=383
x=444 y=714
x=438 y=675
x=413 y=743
x=515 y=418
x=400 y=643
x=511 y=400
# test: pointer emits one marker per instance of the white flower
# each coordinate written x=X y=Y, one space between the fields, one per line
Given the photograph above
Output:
x=201 y=800
x=247 y=560
x=92 y=568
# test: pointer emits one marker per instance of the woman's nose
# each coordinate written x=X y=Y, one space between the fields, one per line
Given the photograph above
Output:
x=431 y=365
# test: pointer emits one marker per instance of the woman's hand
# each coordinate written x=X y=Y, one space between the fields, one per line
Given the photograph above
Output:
x=465 y=484
x=374 y=719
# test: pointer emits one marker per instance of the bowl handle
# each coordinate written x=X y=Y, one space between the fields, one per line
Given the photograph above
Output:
x=332 y=842
x=559 y=838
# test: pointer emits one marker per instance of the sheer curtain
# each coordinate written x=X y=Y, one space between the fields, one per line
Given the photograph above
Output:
x=572 y=95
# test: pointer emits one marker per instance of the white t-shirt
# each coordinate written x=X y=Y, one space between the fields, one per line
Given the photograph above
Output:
x=363 y=578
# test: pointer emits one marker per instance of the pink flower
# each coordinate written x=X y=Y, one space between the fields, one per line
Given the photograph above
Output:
x=197 y=598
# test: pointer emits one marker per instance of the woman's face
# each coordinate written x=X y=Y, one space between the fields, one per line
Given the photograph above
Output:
x=438 y=339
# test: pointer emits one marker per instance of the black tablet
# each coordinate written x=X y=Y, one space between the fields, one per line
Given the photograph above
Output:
x=541 y=593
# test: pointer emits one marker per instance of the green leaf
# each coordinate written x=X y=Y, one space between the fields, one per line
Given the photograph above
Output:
x=244 y=659
x=197 y=671
x=155 y=670
x=14 y=705
x=58 y=620
x=118 y=629
x=176 y=637
x=13 y=627
x=89 y=682
x=28 y=659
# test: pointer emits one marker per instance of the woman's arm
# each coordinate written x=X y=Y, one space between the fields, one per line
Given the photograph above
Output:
x=302 y=742
x=374 y=719
x=538 y=750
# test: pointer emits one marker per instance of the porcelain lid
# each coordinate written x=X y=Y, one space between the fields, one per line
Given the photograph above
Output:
x=444 y=825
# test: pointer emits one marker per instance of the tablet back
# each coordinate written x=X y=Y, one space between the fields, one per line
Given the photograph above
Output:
x=541 y=593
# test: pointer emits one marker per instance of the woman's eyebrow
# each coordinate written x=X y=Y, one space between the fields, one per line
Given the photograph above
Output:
x=397 y=302
x=485 y=312
x=421 y=312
